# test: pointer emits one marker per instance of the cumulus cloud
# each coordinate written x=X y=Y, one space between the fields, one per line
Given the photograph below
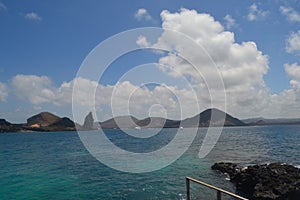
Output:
x=287 y=103
x=255 y=13
x=139 y=100
x=121 y=99
x=229 y=22
x=40 y=89
x=142 y=14
x=293 y=42
x=242 y=66
x=36 y=89
x=3 y=92
x=82 y=96
x=2 y=7
x=293 y=71
x=142 y=41
x=33 y=16
x=290 y=13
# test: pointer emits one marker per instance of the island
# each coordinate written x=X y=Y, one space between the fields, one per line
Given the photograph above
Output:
x=46 y=121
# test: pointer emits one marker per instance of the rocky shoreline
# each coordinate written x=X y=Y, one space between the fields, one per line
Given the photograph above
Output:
x=275 y=181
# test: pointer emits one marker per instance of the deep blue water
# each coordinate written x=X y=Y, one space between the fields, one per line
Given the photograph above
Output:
x=56 y=165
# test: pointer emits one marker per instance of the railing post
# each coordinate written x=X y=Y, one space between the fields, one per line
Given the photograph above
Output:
x=218 y=195
x=187 y=183
x=188 y=180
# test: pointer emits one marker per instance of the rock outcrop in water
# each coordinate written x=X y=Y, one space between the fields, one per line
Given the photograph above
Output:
x=275 y=181
x=88 y=122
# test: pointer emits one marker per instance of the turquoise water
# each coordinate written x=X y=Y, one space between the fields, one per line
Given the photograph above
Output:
x=57 y=166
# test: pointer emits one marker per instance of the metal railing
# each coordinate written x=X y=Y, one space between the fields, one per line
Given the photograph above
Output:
x=219 y=190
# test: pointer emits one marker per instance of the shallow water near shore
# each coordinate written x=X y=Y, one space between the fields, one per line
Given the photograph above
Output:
x=56 y=165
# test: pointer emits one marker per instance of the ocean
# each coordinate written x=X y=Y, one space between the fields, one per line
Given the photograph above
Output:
x=56 y=165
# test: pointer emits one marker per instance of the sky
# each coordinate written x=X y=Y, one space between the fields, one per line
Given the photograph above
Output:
x=254 y=45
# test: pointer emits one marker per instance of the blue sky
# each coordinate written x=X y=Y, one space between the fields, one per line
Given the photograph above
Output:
x=51 y=39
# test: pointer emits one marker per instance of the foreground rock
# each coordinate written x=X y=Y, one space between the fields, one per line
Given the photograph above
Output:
x=264 y=182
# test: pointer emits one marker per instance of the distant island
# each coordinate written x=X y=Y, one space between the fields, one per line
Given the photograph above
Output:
x=46 y=121
x=201 y=120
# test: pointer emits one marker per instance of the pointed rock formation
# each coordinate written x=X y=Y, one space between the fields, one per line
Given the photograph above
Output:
x=88 y=122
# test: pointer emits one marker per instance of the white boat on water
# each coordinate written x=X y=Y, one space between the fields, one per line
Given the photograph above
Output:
x=137 y=127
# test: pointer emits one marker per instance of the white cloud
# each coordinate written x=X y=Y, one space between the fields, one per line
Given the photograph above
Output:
x=229 y=22
x=293 y=42
x=83 y=96
x=40 y=89
x=120 y=98
x=3 y=92
x=37 y=89
x=142 y=41
x=126 y=98
x=33 y=16
x=138 y=100
x=287 y=103
x=255 y=13
x=142 y=14
x=242 y=66
x=290 y=13
x=2 y=7
x=293 y=70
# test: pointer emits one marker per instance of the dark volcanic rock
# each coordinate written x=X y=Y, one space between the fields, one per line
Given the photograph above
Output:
x=158 y=122
x=212 y=117
x=209 y=117
x=46 y=121
x=63 y=124
x=120 y=122
x=3 y=122
x=229 y=168
x=276 y=181
x=132 y=122
x=5 y=126
x=43 y=119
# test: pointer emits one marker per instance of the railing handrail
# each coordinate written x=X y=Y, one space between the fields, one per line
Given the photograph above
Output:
x=219 y=190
